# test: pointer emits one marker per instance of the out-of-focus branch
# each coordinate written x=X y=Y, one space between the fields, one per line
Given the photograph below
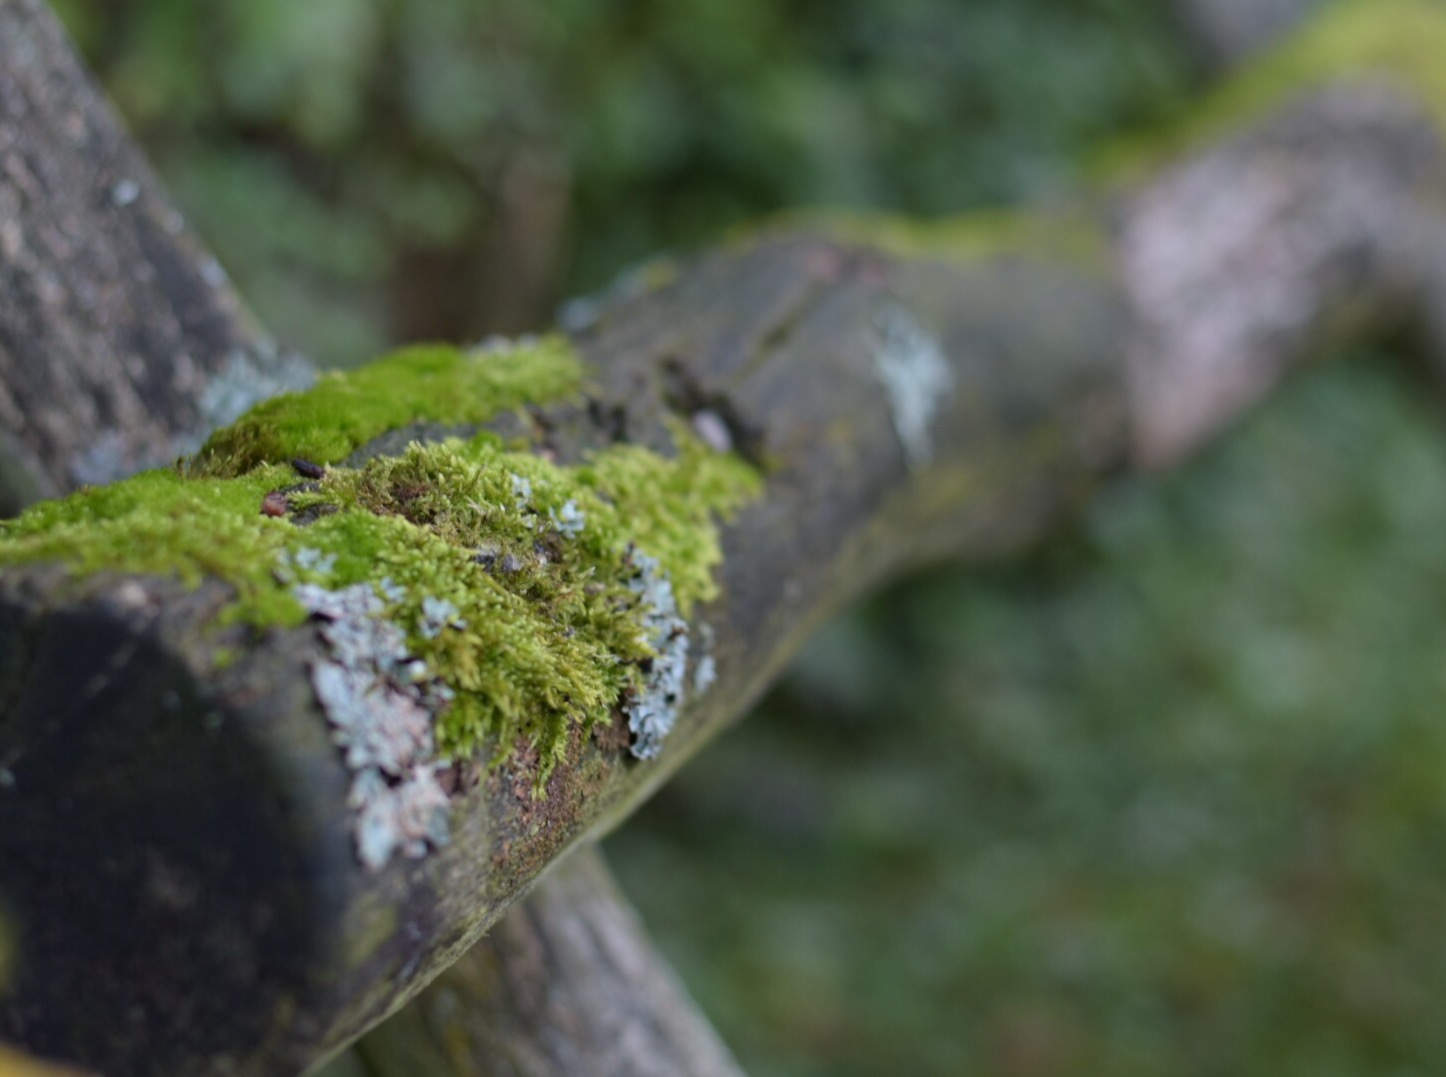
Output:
x=567 y=983
x=1226 y=32
x=121 y=340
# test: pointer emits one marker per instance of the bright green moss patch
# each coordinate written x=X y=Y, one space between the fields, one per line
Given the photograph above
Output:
x=433 y=383
x=530 y=561
x=509 y=574
x=163 y=524
x=1398 y=41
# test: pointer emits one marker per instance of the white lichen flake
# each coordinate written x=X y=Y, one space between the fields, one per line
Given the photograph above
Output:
x=916 y=378
x=652 y=710
x=380 y=703
x=567 y=521
x=437 y=614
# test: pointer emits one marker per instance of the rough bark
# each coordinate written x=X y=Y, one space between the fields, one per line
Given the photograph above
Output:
x=177 y=846
x=173 y=344
x=566 y=983
x=121 y=342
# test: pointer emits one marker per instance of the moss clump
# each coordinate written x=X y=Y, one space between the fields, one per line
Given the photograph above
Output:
x=509 y=574
x=1396 y=41
x=162 y=523
x=436 y=383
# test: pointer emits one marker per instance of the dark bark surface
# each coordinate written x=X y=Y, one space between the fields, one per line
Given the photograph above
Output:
x=121 y=341
x=343 y=946
x=567 y=983
x=176 y=849
x=63 y=242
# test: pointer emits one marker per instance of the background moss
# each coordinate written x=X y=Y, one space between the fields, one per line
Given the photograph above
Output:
x=1163 y=799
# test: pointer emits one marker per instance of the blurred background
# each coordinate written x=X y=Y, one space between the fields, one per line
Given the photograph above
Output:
x=1164 y=798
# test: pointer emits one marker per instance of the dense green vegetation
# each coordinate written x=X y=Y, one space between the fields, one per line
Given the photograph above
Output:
x=1164 y=799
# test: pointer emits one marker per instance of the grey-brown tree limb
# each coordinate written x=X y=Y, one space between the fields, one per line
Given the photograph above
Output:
x=564 y=984
x=176 y=842
x=98 y=267
x=75 y=210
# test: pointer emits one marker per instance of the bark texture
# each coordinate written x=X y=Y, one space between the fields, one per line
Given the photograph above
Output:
x=121 y=342
x=177 y=843
x=567 y=983
x=173 y=345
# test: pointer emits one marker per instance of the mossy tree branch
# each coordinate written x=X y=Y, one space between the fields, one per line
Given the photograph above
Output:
x=907 y=398
x=146 y=372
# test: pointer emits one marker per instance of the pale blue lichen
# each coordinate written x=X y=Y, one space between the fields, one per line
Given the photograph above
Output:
x=381 y=704
x=916 y=377
x=307 y=560
x=568 y=520
x=652 y=706
x=705 y=671
x=563 y=626
x=438 y=614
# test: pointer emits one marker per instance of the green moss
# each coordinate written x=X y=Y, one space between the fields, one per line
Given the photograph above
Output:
x=162 y=523
x=965 y=237
x=529 y=560
x=1396 y=41
x=435 y=383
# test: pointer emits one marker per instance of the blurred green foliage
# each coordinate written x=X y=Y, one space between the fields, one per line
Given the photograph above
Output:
x=1163 y=799
x=1166 y=799
x=341 y=154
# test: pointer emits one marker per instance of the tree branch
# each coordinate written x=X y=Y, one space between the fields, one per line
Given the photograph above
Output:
x=909 y=398
x=172 y=343
x=567 y=983
x=121 y=341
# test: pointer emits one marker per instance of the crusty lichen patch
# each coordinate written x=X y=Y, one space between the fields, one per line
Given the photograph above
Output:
x=527 y=592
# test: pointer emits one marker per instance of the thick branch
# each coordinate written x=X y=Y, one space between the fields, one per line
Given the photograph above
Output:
x=161 y=348
x=908 y=405
x=121 y=342
x=567 y=983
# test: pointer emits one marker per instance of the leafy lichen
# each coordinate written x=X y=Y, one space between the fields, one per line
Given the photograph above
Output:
x=510 y=577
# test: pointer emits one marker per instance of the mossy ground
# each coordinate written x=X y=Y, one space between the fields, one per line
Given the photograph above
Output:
x=508 y=572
